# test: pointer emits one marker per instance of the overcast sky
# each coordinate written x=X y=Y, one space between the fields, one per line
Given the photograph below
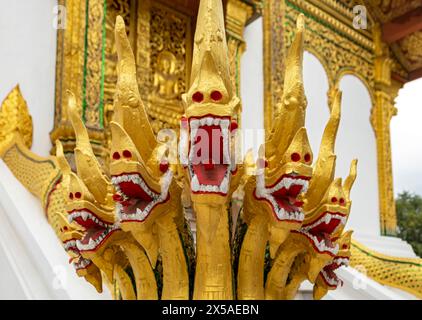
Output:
x=406 y=139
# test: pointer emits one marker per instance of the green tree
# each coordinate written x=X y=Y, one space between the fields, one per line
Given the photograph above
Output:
x=409 y=219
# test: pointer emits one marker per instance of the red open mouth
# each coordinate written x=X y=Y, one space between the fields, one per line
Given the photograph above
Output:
x=328 y=272
x=135 y=199
x=70 y=246
x=209 y=154
x=320 y=231
x=283 y=196
x=96 y=230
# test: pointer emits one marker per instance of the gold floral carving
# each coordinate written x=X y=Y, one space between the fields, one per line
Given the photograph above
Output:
x=114 y=8
x=411 y=47
x=170 y=47
x=69 y=67
x=237 y=15
x=94 y=60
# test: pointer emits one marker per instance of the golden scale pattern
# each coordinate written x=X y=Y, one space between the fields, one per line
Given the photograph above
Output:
x=32 y=173
x=405 y=274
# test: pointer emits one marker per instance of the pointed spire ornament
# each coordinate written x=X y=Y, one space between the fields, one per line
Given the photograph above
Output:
x=88 y=167
x=324 y=169
x=290 y=115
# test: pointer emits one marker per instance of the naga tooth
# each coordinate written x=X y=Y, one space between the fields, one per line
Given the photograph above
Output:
x=195 y=183
x=224 y=187
x=209 y=121
x=84 y=215
x=327 y=218
x=288 y=182
x=224 y=123
x=282 y=213
x=91 y=243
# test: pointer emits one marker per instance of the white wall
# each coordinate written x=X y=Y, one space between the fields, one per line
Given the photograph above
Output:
x=28 y=58
x=355 y=139
x=252 y=88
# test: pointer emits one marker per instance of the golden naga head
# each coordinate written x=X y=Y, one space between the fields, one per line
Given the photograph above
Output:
x=326 y=202
x=89 y=200
x=141 y=172
x=325 y=206
x=70 y=233
x=207 y=127
x=325 y=224
x=327 y=278
x=284 y=167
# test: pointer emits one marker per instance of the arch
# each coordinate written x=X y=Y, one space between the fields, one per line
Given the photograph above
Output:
x=405 y=128
x=323 y=62
x=349 y=71
x=356 y=139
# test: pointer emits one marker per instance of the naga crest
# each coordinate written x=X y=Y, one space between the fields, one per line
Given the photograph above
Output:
x=210 y=108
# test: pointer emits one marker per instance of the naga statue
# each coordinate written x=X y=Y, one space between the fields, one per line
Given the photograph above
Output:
x=123 y=223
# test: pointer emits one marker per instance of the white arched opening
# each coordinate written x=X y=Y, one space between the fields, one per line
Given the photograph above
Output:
x=406 y=134
x=356 y=139
x=316 y=87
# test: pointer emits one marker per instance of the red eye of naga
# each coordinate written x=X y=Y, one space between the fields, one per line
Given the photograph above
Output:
x=71 y=196
x=216 y=95
x=164 y=166
x=65 y=228
x=78 y=195
x=116 y=156
x=333 y=199
x=198 y=97
x=127 y=154
x=295 y=157
x=307 y=157
x=233 y=126
x=342 y=201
